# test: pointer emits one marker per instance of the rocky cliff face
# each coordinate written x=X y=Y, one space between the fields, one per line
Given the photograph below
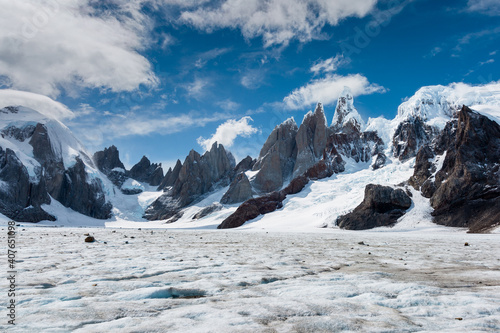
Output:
x=20 y=198
x=171 y=176
x=311 y=140
x=410 y=135
x=465 y=191
x=198 y=176
x=277 y=157
x=109 y=163
x=290 y=151
x=147 y=172
x=48 y=161
x=240 y=190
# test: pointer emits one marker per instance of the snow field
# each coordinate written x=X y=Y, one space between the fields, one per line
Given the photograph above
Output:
x=253 y=281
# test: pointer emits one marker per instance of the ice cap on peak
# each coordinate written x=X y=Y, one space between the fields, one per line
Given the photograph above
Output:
x=345 y=112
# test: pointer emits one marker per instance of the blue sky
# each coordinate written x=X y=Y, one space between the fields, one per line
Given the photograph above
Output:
x=159 y=78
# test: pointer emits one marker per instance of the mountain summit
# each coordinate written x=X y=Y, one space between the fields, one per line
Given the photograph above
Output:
x=346 y=116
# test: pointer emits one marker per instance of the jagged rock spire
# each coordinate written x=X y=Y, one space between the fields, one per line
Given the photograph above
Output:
x=346 y=116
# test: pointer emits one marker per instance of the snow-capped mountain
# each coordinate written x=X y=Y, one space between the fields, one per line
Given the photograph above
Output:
x=435 y=105
x=346 y=116
x=41 y=160
x=435 y=161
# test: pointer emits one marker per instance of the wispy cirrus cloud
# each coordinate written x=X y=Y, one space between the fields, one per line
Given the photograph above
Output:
x=205 y=57
x=487 y=7
x=329 y=65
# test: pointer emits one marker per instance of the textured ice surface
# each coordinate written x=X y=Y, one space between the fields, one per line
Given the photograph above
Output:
x=242 y=281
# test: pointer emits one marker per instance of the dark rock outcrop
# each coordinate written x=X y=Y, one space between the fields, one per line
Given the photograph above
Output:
x=245 y=164
x=360 y=146
x=20 y=199
x=252 y=208
x=410 y=135
x=423 y=170
x=240 y=190
x=215 y=207
x=109 y=163
x=75 y=189
x=108 y=159
x=198 y=176
x=465 y=192
x=380 y=161
x=382 y=206
x=147 y=172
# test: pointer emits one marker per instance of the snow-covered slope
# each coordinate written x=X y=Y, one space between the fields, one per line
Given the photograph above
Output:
x=437 y=104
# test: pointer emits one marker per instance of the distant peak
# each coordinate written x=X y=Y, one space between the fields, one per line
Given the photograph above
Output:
x=346 y=113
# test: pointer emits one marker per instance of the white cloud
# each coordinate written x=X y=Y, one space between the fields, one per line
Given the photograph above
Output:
x=40 y=103
x=488 y=7
x=329 y=65
x=138 y=123
x=253 y=78
x=197 y=88
x=228 y=105
x=486 y=34
x=276 y=21
x=227 y=132
x=204 y=57
x=327 y=90
x=47 y=45
x=434 y=52
x=489 y=61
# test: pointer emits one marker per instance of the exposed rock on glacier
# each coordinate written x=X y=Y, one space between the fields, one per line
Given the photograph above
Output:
x=215 y=207
x=382 y=206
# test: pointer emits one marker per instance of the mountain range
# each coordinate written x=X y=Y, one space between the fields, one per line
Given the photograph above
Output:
x=437 y=160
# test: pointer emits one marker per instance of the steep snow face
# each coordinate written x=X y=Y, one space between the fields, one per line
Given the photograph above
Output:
x=437 y=104
x=345 y=112
x=63 y=143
